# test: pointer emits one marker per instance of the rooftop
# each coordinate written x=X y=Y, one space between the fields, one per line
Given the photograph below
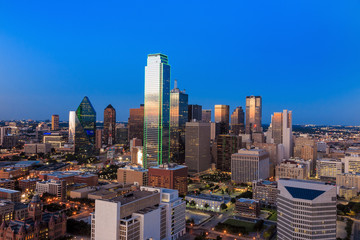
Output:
x=208 y=197
x=8 y=190
x=169 y=166
x=133 y=196
x=247 y=200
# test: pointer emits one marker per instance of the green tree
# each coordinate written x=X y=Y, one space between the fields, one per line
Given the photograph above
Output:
x=192 y=203
x=206 y=205
x=223 y=206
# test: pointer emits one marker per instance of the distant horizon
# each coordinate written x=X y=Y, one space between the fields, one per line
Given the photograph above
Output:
x=219 y=53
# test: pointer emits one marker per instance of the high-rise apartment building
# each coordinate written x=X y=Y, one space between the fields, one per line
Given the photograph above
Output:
x=222 y=117
x=306 y=210
x=194 y=113
x=249 y=165
x=136 y=123
x=226 y=145
x=55 y=122
x=4 y=131
x=197 y=146
x=237 y=121
x=206 y=115
x=109 y=125
x=280 y=131
x=151 y=213
x=170 y=176
x=72 y=124
x=178 y=119
x=156 y=110
x=85 y=127
x=253 y=114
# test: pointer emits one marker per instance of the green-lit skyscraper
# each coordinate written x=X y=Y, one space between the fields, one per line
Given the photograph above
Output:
x=85 y=128
x=156 y=110
x=178 y=119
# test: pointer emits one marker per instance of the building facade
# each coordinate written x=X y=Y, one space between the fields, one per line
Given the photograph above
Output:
x=151 y=213
x=85 y=127
x=109 y=125
x=253 y=114
x=171 y=176
x=206 y=115
x=265 y=192
x=306 y=210
x=226 y=145
x=221 y=115
x=237 y=121
x=54 y=122
x=178 y=119
x=136 y=123
x=194 y=113
x=249 y=165
x=197 y=146
x=156 y=111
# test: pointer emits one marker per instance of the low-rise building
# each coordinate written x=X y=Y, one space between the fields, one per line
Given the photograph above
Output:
x=265 y=192
x=348 y=180
x=9 y=194
x=327 y=169
x=347 y=192
x=247 y=207
x=28 y=185
x=292 y=169
x=7 y=183
x=57 y=188
x=171 y=176
x=132 y=175
x=206 y=201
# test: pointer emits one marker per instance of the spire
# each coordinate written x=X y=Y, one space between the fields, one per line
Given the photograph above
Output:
x=175 y=84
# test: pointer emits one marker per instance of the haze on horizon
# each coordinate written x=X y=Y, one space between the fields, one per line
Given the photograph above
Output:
x=298 y=55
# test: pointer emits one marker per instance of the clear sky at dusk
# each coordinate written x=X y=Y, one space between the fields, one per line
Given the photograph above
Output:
x=302 y=55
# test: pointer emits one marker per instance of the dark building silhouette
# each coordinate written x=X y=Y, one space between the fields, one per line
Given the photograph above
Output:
x=109 y=125
x=194 y=112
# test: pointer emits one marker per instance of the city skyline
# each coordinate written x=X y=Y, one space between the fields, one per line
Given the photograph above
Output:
x=296 y=68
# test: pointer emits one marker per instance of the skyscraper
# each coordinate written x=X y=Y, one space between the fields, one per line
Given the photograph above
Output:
x=226 y=145
x=136 y=123
x=280 y=131
x=109 y=125
x=222 y=117
x=237 y=121
x=55 y=122
x=253 y=114
x=306 y=210
x=85 y=127
x=156 y=110
x=197 y=146
x=72 y=122
x=206 y=115
x=195 y=113
x=178 y=119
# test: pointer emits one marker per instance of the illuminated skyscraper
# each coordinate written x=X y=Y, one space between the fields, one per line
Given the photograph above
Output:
x=280 y=131
x=178 y=119
x=194 y=113
x=55 y=122
x=237 y=121
x=136 y=123
x=85 y=127
x=109 y=125
x=156 y=110
x=222 y=117
x=72 y=117
x=253 y=114
x=206 y=115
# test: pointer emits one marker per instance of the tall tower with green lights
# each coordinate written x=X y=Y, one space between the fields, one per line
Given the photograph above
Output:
x=85 y=127
x=156 y=111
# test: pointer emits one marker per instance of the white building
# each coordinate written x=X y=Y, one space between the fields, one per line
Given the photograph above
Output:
x=151 y=213
x=57 y=188
x=72 y=120
x=306 y=210
x=207 y=202
x=249 y=165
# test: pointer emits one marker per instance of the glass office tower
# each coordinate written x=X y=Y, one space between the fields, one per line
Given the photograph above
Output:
x=156 y=110
x=85 y=126
x=72 y=120
x=178 y=119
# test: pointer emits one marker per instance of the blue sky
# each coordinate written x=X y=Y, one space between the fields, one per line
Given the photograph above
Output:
x=300 y=55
